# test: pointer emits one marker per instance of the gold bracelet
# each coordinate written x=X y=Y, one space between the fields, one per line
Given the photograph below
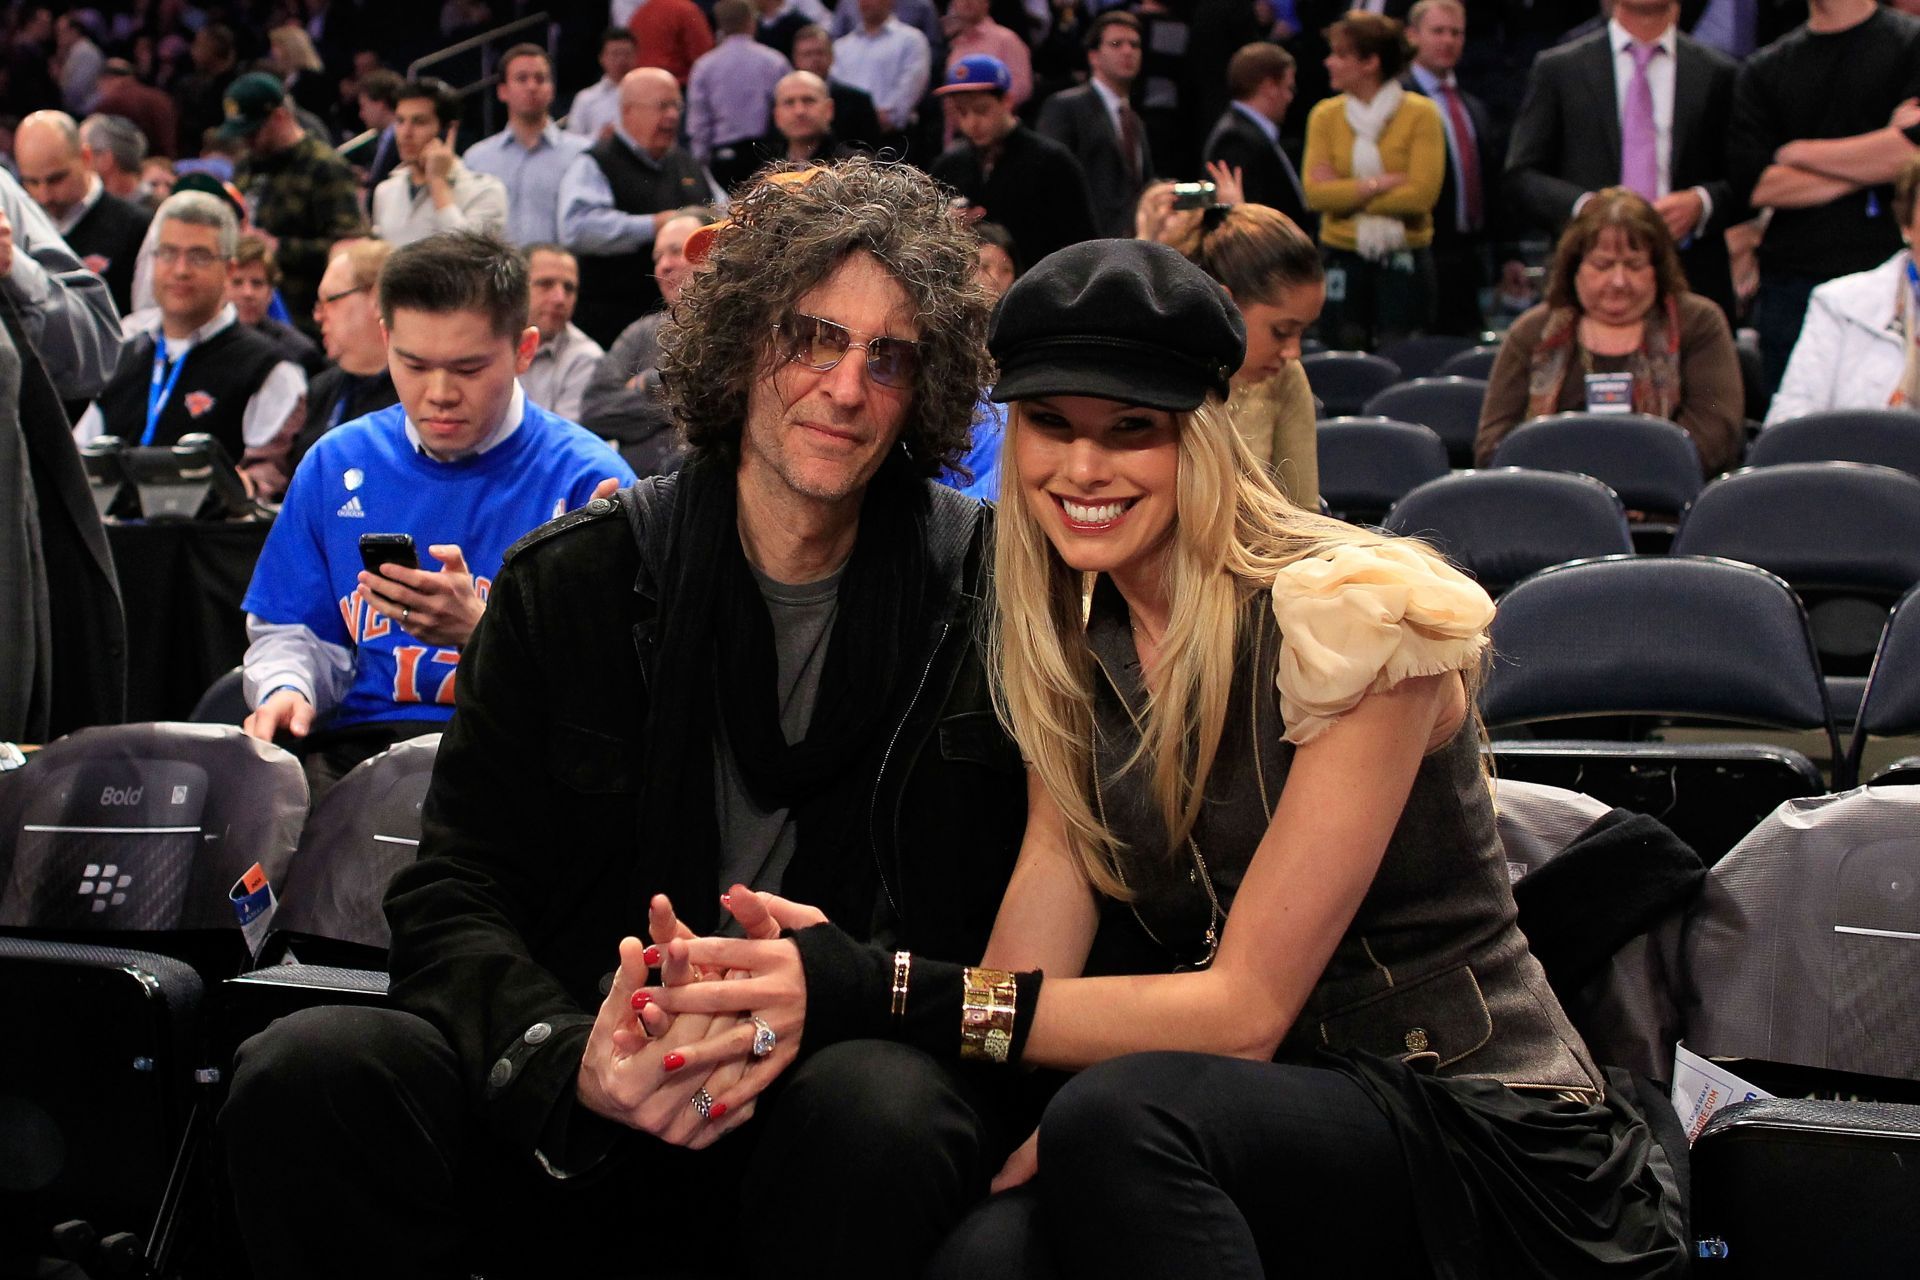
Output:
x=988 y=999
x=902 y=968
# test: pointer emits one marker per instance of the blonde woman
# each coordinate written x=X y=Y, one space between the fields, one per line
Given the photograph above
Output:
x=1375 y=159
x=1261 y=908
x=293 y=58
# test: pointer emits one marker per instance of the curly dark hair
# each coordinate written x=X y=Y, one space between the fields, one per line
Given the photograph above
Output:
x=782 y=240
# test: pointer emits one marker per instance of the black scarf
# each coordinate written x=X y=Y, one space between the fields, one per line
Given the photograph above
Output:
x=714 y=657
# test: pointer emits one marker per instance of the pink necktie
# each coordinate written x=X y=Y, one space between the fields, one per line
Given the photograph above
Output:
x=1639 y=141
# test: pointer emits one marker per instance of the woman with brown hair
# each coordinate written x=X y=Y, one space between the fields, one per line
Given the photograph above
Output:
x=1271 y=270
x=1619 y=326
x=1376 y=156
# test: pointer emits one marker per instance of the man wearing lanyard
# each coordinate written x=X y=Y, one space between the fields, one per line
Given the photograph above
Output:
x=357 y=382
x=198 y=369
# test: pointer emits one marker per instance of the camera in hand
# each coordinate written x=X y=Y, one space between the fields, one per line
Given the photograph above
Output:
x=1194 y=195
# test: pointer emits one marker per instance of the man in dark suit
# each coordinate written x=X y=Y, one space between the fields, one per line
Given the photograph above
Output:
x=1247 y=135
x=1584 y=126
x=1461 y=261
x=1099 y=125
x=56 y=168
x=855 y=121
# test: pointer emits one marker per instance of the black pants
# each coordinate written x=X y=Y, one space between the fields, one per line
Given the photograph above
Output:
x=353 y=1152
x=1779 y=310
x=1370 y=304
x=328 y=755
x=1181 y=1164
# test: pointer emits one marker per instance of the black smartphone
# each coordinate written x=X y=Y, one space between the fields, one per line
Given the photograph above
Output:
x=1193 y=195
x=377 y=549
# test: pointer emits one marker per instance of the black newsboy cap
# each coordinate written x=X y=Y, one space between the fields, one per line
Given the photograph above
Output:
x=1128 y=320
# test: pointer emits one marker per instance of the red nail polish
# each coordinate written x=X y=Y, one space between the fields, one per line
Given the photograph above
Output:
x=717 y=1110
x=727 y=898
x=652 y=956
x=673 y=1061
x=641 y=1000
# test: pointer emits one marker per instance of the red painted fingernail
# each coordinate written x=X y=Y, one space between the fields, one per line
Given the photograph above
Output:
x=652 y=956
x=717 y=1110
x=727 y=898
x=641 y=1000
x=673 y=1062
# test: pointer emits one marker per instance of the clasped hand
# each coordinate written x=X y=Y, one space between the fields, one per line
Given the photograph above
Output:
x=654 y=1048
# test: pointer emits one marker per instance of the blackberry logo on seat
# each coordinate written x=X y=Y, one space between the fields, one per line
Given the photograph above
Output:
x=119 y=797
x=105 y=885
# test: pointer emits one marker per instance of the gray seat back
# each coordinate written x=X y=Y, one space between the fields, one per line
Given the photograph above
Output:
x=146 y=827
x=1807 y=946
x=365 y=829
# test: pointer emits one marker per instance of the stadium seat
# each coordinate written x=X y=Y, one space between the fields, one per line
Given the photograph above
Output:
x=1806 y=947
x=1651 y=463
x=1367 y=464
x=1500 y=526
x=1842 y=534
x=1344 y=380
x=1710 y=794
x=1451 y=406
x=224 y=702
x=1889 y=437
x=1891 y=704
x=1420 y=356
x=364 y=830
x=1476 y=362
x=1688 y=638
x=124 y=842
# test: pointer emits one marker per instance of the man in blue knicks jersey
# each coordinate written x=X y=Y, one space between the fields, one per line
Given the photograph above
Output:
x=348 y=662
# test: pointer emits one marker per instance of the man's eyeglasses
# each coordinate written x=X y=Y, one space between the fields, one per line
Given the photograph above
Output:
x=199 y=259
x=328 y=299
x=822 y=344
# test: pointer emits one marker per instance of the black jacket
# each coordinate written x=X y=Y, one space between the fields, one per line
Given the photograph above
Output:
x=1077 y=119
x=1266 y=176
x=1566 y=142
x=535 y=860
x=1036 y=190
x=1446 y=216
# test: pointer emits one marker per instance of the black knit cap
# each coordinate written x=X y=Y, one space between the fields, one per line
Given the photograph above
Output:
x=1128 y=320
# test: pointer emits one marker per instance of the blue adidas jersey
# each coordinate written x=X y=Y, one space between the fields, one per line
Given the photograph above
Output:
x=367 y=477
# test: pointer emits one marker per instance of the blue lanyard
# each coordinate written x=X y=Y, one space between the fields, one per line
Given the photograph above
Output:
x=159 y=392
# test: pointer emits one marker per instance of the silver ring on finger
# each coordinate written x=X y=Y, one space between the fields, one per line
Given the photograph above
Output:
x=764 y=1039
x=703 y=1103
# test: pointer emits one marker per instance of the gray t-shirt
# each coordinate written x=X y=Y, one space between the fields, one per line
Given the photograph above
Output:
x=757 y=844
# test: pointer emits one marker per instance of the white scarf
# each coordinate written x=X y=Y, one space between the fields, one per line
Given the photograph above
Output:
x=1378 y=236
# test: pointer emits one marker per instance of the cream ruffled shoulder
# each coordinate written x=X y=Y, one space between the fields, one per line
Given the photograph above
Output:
x=1360 y=619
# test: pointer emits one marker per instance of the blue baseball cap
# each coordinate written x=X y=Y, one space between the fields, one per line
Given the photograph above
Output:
x=977 y=73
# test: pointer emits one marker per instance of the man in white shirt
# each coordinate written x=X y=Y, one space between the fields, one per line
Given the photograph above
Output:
x=196 y=368
x=564 y=361
x=596 y=108
x=431 y=191
x=532 y=153
x=887 y=58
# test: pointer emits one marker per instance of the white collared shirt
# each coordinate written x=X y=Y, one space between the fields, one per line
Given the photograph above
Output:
x=404 y=212
x=509 y=423
x=593 y=108
x=267 y=412
x=95 y=189
x=891 y=64
x=1660 y=78
x=562 y=366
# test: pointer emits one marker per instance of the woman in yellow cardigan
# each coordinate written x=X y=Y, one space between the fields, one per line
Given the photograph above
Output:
x=1375 y=158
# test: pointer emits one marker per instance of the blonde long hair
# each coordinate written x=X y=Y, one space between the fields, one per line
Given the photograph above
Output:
x=1232 y=533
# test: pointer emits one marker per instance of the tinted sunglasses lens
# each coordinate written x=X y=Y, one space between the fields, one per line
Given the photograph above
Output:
x=892 y=361
x=816 y=343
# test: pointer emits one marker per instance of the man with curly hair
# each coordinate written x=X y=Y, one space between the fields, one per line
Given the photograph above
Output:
x=758 y=677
